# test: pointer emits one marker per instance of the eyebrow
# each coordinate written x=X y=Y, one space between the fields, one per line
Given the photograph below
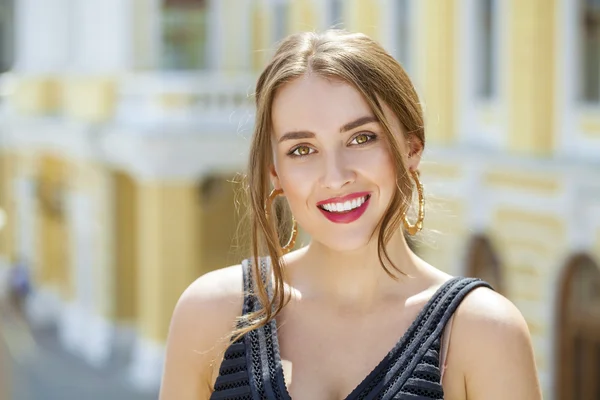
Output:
x=295 y=135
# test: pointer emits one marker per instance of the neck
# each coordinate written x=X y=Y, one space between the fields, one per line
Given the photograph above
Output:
x=351 y=278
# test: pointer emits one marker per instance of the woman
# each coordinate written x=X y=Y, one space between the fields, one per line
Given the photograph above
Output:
x=355 y=314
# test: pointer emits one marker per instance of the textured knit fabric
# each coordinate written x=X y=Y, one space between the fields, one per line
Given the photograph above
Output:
x=252 y=369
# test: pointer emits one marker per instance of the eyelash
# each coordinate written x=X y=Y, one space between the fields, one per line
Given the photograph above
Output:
x=371 y=138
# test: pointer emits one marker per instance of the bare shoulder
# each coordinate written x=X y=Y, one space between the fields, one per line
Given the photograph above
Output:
x=210 y=305
x=202 y=322
x=485 y=309
x=220 y=289
x=492 y=344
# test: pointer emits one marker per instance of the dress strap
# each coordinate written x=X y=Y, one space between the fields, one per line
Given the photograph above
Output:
x=427 y=329
x=250 y=270
x=265 y=371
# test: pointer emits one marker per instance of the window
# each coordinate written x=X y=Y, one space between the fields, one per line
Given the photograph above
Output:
x=6 y=35
x=184 y=28
x=402 y=32
x=579 y=330
x=486 y=49
x=589 y=51
x=336 y=14
x=280 y=19
x=483 y=262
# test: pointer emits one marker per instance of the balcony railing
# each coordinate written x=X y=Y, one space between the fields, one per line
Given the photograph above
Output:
x=186 y=100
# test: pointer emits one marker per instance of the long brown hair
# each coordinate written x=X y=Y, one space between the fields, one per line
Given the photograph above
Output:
x=361 y=62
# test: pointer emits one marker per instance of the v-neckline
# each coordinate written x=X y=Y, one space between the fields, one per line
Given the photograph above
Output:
x=279 y=376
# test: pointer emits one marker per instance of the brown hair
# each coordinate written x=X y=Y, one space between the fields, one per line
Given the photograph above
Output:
x=361 y=62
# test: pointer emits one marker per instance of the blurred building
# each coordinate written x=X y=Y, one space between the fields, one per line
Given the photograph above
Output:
x=124 y=122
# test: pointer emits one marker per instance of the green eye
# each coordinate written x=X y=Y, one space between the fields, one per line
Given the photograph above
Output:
x=362 y=138
x=301 y=151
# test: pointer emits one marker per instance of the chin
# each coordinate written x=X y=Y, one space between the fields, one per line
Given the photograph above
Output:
x=345 y=243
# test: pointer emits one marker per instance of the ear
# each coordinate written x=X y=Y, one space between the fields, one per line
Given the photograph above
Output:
x=274 y=177
x=414 y=145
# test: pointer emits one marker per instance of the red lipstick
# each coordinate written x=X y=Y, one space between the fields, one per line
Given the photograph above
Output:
x=345 y=217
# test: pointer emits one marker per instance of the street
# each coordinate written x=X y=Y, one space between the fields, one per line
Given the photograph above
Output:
x=42 y=370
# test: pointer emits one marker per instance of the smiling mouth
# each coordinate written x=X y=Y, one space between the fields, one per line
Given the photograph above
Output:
x=345 y=207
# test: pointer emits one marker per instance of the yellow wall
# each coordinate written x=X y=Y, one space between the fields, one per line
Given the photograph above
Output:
x=529 y=244
x=533 y=76
x=363 y=16
x=219 y=222
x=260 y=34
x=168 y=251
x=53 y=240
x=90 y=98
x=37 y=95
x=182 y=230
x=545 y=184
x=439 y=79
x=126 y=265
x=303 y=16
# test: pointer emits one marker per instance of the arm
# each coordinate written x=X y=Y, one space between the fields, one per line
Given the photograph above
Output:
x=495 y=349
x=198 y=335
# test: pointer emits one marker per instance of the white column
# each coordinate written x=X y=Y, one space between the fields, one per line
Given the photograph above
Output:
x=103 y=36
x=101 y=322
x=73 y=322
x=104 y=42
x=42 y=35
x=86 y=327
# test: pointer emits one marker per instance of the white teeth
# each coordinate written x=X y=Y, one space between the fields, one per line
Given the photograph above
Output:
x=346 y=206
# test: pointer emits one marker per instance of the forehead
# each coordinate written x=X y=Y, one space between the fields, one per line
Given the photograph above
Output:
x=318 y=104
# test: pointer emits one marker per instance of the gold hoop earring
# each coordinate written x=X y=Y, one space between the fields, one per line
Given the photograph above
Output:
x=268 y=207
x=413 y=229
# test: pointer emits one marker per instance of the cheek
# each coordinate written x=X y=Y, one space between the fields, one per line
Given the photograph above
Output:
x=297 y=181
x=377 y=165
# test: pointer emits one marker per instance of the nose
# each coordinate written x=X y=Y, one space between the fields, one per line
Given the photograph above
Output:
x=337 y=172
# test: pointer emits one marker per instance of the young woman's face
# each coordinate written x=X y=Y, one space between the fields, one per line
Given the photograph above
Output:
x=332 y=160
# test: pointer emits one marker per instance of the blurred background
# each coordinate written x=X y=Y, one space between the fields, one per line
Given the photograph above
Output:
x=124 y=124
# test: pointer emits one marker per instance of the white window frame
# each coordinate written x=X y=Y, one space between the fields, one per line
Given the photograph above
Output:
x=572 y=113
x=389 y=34
x=482 y=122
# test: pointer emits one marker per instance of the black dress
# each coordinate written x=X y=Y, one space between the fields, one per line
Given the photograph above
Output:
x=252 y=369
